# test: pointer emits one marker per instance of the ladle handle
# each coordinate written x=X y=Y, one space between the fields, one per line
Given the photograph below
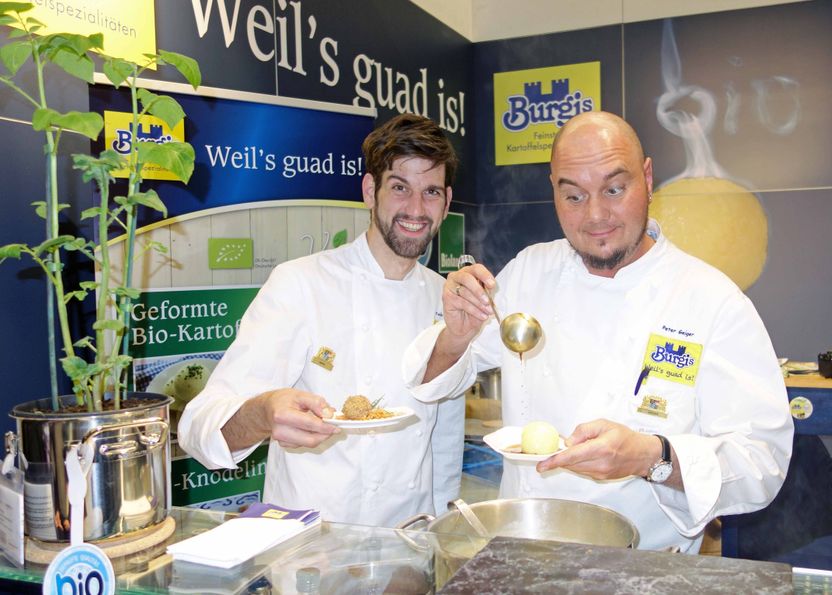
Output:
x=464 y=261
x=471 y=517
x=493 y=307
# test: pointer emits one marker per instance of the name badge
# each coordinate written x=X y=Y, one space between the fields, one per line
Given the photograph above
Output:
x=672 y=359
x=324 y=358
x=652 y=405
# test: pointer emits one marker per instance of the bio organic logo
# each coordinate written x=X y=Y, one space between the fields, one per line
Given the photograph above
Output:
x=230 y=253
x=535 y=107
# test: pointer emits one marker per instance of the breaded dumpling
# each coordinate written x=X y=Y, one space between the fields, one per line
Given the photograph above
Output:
x=356 y=407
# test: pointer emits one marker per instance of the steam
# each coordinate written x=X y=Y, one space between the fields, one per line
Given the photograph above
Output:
x=692 y=128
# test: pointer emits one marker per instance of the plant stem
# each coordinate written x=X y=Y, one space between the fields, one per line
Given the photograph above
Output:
x=50 y=324
x=99 y=384
x=129 y=248
x=52 y=231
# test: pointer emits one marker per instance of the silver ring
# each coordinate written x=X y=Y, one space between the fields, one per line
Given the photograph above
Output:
x=457 y=288
x=465 y=260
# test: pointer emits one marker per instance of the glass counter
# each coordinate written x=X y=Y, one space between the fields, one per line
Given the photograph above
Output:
x=339 y=558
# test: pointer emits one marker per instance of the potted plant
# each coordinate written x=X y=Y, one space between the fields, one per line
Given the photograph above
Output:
x=123 y=436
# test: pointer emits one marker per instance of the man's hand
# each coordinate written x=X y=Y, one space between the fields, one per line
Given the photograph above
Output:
x=465 y=307
x=291 y=417
x=465 y=303
x=602 y=449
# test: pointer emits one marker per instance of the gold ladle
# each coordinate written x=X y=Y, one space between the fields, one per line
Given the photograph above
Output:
x=520 y=332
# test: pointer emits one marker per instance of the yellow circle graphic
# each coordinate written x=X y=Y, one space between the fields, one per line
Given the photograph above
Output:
x=715 y=220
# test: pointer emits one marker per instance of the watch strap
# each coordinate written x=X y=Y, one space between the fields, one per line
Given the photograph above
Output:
x=665 y=447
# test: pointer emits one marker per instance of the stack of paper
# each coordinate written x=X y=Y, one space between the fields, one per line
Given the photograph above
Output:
x=258 y=529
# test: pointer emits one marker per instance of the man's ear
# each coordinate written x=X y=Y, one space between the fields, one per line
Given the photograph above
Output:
x=648 y=177
x=368 y=190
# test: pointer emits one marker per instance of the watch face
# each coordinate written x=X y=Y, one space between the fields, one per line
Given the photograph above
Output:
x=660 y=472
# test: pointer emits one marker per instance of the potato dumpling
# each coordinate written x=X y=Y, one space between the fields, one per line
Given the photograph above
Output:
x=187 y=384
x=539 y=438
x=356 y=407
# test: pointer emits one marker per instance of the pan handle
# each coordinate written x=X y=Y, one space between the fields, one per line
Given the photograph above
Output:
x=406 y=524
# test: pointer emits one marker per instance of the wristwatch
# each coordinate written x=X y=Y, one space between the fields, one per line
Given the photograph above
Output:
x=661 y=469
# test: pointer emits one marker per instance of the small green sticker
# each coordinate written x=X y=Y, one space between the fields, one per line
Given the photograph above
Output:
x=230 y=253
x=339 y=239
x=451 y=242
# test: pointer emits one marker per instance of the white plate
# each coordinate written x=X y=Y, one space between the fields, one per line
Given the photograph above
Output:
x=510 y=436
x=159 y=382
x=399 y=414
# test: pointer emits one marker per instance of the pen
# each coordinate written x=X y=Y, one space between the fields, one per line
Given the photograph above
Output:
x=641 y=377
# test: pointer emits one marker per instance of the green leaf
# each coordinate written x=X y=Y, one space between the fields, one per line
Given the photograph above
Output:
x=163 y=107
x=88 y=285
x=14 y=33
x=40 y=208
x=78 y=244
x=87 y=123
x=98 y=168
x=53 y=243
x=11 y=251
x=118 y=70
x=176 y=157
x=15 y=54
x=151 y=200
x=110 y=325
x=7 y=7
x=74 y=366
x=130 y=292
x=339 y=239
x=78 y=65
x=93 y=212
x=78 y=295
x=85 y=342
x=186 y=66
x=122 y=361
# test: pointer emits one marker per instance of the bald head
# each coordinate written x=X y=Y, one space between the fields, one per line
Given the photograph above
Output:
x=602 y=124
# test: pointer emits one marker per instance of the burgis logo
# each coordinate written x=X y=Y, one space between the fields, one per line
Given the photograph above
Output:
x=119 y=135
x=678 y=356
x=123 y=142
x=535 y=107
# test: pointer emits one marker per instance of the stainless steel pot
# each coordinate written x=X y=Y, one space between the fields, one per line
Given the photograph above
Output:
x=128 y=484
x=456 y=541
x=488 y=385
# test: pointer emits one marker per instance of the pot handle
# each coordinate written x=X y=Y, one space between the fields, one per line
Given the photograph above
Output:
x=406 y=524
x=148 y=438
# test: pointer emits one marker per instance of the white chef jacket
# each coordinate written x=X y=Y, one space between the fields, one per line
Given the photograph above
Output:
x=730 y=428
x=340 y=301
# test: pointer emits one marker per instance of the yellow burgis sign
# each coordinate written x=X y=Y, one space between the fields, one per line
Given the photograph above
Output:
x=530 y=106
x=129 y=28
x=118 y=136
x=674 y=360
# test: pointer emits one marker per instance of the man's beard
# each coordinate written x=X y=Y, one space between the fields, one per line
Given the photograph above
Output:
x=404 y=247
x=602 y=263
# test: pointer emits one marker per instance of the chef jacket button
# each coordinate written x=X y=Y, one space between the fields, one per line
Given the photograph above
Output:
x=374 y=487
x=421 y=283
x=419 y=432
x=368 y=380
x=411 y=485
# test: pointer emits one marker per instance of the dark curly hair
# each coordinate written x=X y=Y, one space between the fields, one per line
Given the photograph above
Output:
x=408 y=135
